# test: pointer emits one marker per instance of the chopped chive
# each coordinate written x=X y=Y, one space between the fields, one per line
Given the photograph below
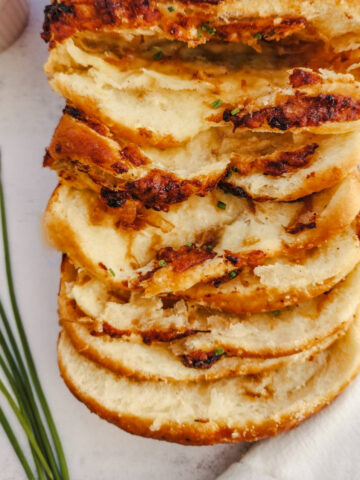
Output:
x=112 y=272
x=234 y=169
x=276 y=313
x=199 y=34
x=235 y=111
x=189 y=244
x=221 y=205
x=233 y=274
x=171 y=9
x=162 y=263
x=158 y=55
x=217 y=103
x=205 y=27
x=258 y=36
x=219 y=351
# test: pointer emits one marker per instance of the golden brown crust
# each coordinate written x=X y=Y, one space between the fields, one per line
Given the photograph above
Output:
x=184 y=257
x=279 y=163
x=199 y=433
x=301 y=77
x=82 y=147
x=300 y=111
x=196 y=24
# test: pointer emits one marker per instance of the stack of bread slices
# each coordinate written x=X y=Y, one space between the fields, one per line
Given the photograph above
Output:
x=207 y=209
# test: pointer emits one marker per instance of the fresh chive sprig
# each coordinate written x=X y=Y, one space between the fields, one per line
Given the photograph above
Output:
x=27 y=400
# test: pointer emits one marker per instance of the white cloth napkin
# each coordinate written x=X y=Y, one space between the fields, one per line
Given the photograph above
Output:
x=326 y=447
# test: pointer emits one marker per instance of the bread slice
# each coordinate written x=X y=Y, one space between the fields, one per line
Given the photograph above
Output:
x=143 y=360
x=140 y=98
x=197 y=335
x=289 y=171
x=87 y=152
x=279 y=283
x=197 y=22
x=260 y=166
x=282 y=282
x=157 y=362
x=195 y=241
x=228 y=410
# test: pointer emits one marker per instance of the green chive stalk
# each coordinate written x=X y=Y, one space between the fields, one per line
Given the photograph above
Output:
x=16 y=446
x=28 y=402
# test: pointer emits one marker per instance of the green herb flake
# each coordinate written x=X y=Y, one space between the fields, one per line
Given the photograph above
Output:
x=209 y=247
x=158 y=55
x=199 y=34
x=189 y=244
x=235 y=111
x=217 y=103
x=258 y=36
x=162 y=263
x=212 y=31
x=112 y=272
x=233 y=274
x=221 y=205
x=234 y=169
x=219 y=351
x=228 y=174
x=171 y=9
x=276 y=313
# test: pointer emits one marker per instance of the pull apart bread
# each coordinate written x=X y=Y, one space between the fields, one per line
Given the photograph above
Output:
x=97 y=318
x=247 y=407
x=208 y=211
x=261 y=166
x=166 y=102
x=197 y=22
x=196 y=241
x=147 y=354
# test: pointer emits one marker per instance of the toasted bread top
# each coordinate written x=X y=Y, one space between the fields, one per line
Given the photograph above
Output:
x=197 y=22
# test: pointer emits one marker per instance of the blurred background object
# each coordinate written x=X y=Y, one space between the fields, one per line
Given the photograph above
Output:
x=13 y=19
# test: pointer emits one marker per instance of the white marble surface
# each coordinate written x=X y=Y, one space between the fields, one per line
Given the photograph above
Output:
x=95 y=449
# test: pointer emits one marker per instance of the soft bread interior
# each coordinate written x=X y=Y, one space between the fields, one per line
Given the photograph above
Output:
x=140 y=98
x=272 y=334
x=232 y=409
x=157 y=362
x=231 y=227
x=282 y=281
x=262 y=166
